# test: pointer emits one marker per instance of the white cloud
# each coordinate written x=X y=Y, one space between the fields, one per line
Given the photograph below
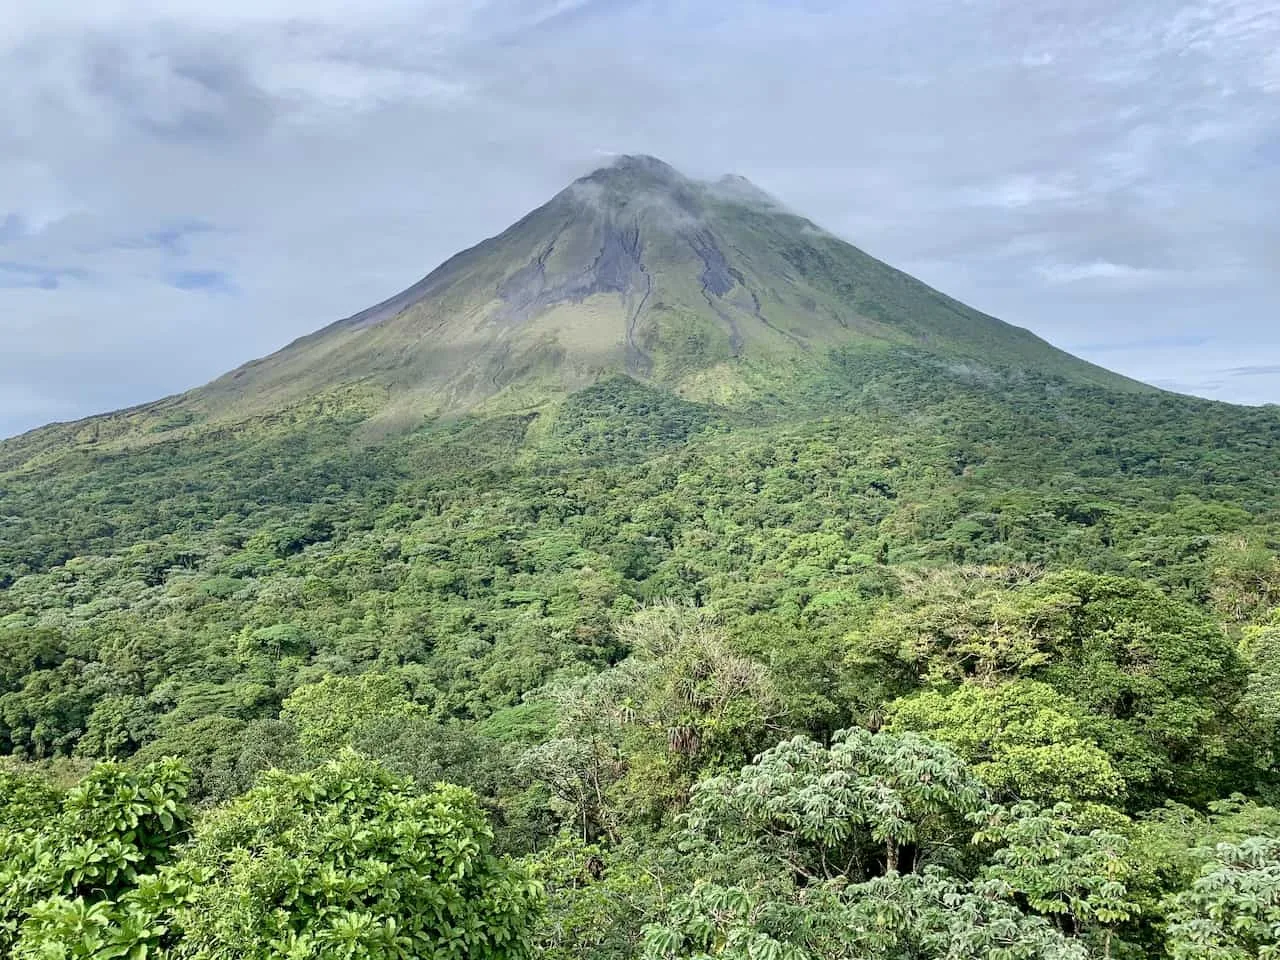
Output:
x=51 y=16
x=322 y=86
x=1041 y=59
x=1020 y=192
x=1097 y=270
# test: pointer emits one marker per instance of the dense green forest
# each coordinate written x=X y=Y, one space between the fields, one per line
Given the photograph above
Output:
x=915 y=660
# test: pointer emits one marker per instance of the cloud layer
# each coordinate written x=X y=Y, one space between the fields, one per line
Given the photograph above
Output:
x=184 y=185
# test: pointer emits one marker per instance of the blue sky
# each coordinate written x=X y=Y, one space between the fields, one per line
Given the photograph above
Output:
x=185 y=186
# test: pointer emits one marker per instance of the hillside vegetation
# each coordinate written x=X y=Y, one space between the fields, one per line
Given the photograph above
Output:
x=636 y=627
x=897 y=652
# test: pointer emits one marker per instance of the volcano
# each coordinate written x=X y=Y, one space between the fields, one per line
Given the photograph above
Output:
x=713 y=290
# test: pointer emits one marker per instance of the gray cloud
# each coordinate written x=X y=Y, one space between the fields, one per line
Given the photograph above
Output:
x=1102 y=172
x=214 y=280
x=1266 y=370
x=22 y=275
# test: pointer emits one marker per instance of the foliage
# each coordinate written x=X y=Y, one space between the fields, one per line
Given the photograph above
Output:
x=348 y=861
x=635 y=625
x=630 y=741
x=71 y=865
x=326 y=713
x=26 y=798
x=1232 y=909
x=870 y=803
x=886 y=918
x=1062 y=866
x=1023 y=739
x=600 y=898
x=1162 y=677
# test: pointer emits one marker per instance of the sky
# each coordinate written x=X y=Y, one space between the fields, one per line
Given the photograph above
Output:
x=187 y=185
